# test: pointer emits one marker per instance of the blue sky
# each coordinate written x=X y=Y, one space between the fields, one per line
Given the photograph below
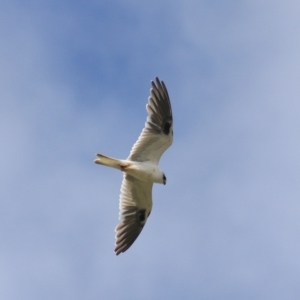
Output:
x=75 y=78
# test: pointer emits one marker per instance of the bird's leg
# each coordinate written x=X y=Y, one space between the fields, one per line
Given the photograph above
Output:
x=124 y=166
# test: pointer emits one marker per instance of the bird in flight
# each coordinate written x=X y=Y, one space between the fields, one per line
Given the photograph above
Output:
x=140 y=169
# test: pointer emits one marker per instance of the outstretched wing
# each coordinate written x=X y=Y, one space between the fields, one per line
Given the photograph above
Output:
x=157 y=135
x=135 y=207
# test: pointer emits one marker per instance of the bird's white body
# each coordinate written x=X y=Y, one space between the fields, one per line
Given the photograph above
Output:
x=144 y=171
x=148 y=172
x=141 y=167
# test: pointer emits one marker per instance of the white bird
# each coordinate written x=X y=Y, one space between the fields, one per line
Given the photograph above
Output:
x=140 y=169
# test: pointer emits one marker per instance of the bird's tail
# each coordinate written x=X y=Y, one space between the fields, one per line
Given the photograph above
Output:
x=108 y=161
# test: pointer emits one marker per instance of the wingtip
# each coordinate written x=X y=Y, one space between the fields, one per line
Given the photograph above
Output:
x=158 y=84
x=118 y=250
x=156 y=80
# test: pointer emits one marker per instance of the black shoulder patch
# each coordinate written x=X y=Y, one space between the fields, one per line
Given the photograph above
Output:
x=167 y=125
x=142 y=216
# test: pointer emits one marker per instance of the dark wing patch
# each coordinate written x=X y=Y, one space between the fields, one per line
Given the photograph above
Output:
x=129 y=228
x=166 y=126
x=142 y=215
x=159 y=108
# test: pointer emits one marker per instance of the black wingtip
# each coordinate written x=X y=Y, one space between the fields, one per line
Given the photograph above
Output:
x=156 y=82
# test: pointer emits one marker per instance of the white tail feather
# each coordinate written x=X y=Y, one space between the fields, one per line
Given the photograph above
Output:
x=108 y=161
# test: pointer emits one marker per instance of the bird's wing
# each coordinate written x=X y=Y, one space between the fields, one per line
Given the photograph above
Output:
x=135 y=207
x=157 y=135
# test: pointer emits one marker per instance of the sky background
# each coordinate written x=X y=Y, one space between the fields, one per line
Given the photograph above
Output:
x=74 y=80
